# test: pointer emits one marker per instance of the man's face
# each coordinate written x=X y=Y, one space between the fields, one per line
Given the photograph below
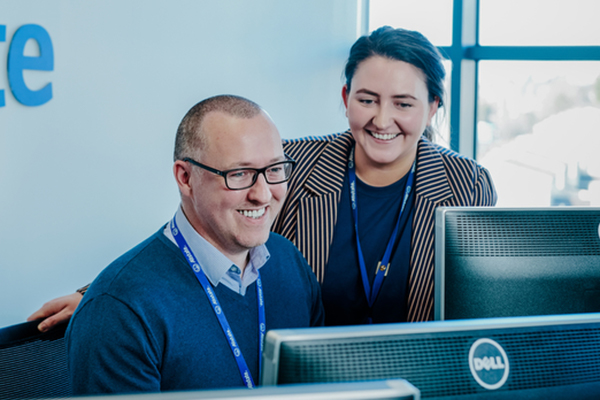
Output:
x=234 y=221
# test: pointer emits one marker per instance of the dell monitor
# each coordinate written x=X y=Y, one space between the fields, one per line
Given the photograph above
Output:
x=502 y=262
x=542 y=357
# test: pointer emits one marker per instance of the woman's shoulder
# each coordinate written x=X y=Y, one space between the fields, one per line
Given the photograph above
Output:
x=459 y=173
x=316 y=141
x=430 y=151
x=328 y=149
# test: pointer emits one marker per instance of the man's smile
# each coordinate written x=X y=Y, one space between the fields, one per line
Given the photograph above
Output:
x=255 y=214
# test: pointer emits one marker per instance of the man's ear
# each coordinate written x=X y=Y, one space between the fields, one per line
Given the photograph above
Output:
x=182 y=172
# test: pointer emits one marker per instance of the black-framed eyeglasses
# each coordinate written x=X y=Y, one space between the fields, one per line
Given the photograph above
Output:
x=244 y=178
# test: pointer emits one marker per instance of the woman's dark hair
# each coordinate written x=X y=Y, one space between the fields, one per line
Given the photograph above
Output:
x=402 y=45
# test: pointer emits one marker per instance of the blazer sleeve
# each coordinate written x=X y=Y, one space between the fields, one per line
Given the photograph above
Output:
x=485 y=192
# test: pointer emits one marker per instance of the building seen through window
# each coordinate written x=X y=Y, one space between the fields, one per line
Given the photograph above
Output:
x=537 y=98
x=538 y=131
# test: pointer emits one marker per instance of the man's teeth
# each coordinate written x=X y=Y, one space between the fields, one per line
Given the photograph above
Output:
x=253 y=213
x=384 y=137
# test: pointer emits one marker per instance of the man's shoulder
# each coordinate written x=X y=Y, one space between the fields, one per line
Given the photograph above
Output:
x=137 y=265
x=155 y=246
x=286 y=259
x=292 y=293
x=284 y=253
x=277 y=243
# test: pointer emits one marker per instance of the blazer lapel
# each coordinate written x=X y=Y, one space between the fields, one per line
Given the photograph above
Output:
x=432 y=188
x=317 y=211
x=431 y=181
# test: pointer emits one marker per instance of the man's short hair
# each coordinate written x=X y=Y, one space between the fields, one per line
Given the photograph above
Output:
x=189 y=134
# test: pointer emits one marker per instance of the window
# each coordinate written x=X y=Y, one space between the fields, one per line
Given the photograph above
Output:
x=524 y=90
x=433 y=18
x=539 y=23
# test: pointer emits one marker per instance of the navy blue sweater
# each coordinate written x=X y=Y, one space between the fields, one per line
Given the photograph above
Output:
x=145 y=324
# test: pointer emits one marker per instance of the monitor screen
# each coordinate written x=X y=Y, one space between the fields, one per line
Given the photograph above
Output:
x=496 y=358
x=500 y=262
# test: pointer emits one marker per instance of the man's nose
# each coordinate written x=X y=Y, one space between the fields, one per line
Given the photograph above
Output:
x=261 y=190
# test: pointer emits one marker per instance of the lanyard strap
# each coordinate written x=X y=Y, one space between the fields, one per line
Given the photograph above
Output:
x=384 y=264
x=212 y=298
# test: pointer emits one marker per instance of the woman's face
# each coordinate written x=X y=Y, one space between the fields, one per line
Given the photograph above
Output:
x=388 y=109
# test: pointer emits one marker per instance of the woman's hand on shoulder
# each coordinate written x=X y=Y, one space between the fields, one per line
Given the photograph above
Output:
x=56 y=311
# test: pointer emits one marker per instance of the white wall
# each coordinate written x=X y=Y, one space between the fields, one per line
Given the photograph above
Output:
x=87 y=175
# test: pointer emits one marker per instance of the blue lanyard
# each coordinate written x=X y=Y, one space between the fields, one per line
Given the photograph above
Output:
x=212 y=298
x=384 y=265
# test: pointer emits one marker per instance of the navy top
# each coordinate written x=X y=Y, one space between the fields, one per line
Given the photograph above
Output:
x=146 y=325
x=343 y=294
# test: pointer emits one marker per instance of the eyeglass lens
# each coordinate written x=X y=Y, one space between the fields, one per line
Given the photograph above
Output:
x=243 y=178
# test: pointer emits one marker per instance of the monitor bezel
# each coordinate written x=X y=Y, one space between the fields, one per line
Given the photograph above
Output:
x=275 y=338
x=441 y=214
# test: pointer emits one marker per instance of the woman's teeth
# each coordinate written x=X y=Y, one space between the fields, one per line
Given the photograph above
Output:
x=252 y=213
x=384 y=136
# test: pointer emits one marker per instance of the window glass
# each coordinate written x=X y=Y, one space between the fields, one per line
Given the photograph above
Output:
x=441 y=121
x=537 y=131
x=433 y=18
x=539 y=23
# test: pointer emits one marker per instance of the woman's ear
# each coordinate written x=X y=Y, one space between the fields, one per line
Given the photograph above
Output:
x=433 y=107
x=345 y=97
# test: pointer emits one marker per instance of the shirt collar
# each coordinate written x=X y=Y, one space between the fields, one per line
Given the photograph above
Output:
x=215 y=264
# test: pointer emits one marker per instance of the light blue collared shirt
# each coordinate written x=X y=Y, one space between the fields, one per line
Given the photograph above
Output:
x=215 y=265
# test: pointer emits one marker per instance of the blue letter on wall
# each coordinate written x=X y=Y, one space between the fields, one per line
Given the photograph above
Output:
x=2 y=39
x=17 y=62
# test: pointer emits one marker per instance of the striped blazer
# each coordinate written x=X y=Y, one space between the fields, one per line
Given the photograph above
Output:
x=309 y=213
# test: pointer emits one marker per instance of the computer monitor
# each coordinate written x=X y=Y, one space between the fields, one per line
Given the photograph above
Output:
x=501 y=262
x=393 y=389
x=541 y=357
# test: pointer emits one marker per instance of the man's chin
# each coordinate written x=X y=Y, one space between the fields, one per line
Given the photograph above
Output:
x=254 y=241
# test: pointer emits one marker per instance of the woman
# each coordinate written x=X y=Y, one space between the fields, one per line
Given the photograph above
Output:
x=360 y=206
x=394 y=87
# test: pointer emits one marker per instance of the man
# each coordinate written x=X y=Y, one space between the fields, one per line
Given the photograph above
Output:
x=183 y=309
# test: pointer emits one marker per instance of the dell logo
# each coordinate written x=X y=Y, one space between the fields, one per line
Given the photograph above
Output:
x=488 y=363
